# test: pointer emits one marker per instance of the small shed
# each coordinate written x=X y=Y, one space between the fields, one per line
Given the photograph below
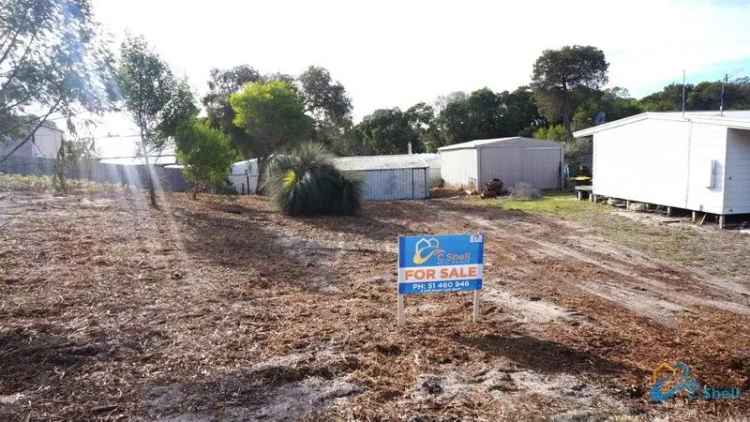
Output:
x=512 y=160
x=244 y=176
x=698 y=161
x=388 y=177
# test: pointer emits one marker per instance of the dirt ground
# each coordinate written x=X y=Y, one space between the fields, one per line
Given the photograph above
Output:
x=225 y=310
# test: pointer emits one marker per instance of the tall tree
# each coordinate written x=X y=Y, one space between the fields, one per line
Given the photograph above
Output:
x=485 y=114
x=52 y=62
x=386 y=131
x=520 y=114
x=273 y=114
x=157 y=102
x=328 y=104
x=220 y=114
x=562 y=79
x=423 y=121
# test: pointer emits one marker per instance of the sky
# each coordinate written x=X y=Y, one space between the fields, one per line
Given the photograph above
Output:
x=397 y=53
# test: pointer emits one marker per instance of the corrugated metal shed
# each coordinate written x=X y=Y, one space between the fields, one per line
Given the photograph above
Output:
x=388 y=177
x=379 y=162
x=512 y=160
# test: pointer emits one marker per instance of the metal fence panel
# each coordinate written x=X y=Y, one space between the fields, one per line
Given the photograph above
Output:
x=170 y=179
x=393 y=184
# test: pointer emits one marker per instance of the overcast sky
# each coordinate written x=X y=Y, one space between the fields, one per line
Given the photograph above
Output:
x=397 y=53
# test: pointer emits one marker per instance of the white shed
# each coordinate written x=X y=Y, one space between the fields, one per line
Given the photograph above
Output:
x=44 y=143
x=698 y=161
x=244 y=176
x=388 y=177
x=512 y=160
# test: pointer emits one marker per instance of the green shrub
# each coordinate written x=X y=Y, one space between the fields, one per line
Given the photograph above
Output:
x=206 y=153
x=304 y=182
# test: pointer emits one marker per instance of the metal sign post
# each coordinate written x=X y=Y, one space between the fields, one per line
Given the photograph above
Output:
x=439 y=264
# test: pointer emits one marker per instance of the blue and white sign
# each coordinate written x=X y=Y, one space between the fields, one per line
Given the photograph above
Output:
x=440 y=263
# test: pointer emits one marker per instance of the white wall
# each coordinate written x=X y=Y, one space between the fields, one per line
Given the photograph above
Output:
x=47 y=142
x=663 y=162
x=644 y=161
x=737 y=195
x=706 y=171
x=459 y=168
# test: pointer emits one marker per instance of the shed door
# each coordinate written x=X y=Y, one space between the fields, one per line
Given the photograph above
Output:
x=541 y=167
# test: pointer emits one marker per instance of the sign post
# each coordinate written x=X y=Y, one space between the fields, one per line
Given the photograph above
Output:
x=440 y=264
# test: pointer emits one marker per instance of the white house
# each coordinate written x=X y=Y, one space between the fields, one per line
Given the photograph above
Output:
x=44 y=143
x=698 y=161
x=512 y=160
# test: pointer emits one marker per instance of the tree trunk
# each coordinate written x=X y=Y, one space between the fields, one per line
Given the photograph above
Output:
x=149 y=179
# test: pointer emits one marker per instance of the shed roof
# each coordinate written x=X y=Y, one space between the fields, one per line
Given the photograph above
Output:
x=736 y=119
x=379 y=162
x=496 y=141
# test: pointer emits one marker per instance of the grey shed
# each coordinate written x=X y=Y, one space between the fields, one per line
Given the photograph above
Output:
x=388 y=177
x=516 y=159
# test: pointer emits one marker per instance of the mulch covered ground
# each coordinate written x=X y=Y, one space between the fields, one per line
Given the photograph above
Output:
x=223 y=309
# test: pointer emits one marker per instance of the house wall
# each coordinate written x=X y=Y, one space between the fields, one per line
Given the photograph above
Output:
x=662 y=162
x=705 y=191
x=46 y=143
x=737 y=175
x=458 y=168
x=644 y=161
x=521 y=162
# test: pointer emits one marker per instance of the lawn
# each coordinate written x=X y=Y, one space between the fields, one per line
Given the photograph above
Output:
x=558 y=204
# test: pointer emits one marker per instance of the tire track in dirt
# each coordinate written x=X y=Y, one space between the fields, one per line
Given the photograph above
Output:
x=661 y=295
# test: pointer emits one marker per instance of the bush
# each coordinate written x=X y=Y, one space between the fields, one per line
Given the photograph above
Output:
x=304 y=182
x=525 y=191
x=206 y=153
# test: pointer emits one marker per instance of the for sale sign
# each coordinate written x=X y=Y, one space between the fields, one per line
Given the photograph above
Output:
x=440 y=263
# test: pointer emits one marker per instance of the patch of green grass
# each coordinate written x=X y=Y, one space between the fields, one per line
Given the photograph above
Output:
x=558 y=204
x=679 y=244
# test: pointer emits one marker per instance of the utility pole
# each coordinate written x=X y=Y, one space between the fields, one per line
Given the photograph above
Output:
x=683 y=93
x=723 y=88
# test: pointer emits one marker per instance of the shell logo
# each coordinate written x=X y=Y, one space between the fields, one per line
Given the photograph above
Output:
x=425 y=249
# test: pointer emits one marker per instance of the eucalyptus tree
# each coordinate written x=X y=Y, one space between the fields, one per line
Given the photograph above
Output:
x=157 y=102
x=53 y=64
x=562 y=79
